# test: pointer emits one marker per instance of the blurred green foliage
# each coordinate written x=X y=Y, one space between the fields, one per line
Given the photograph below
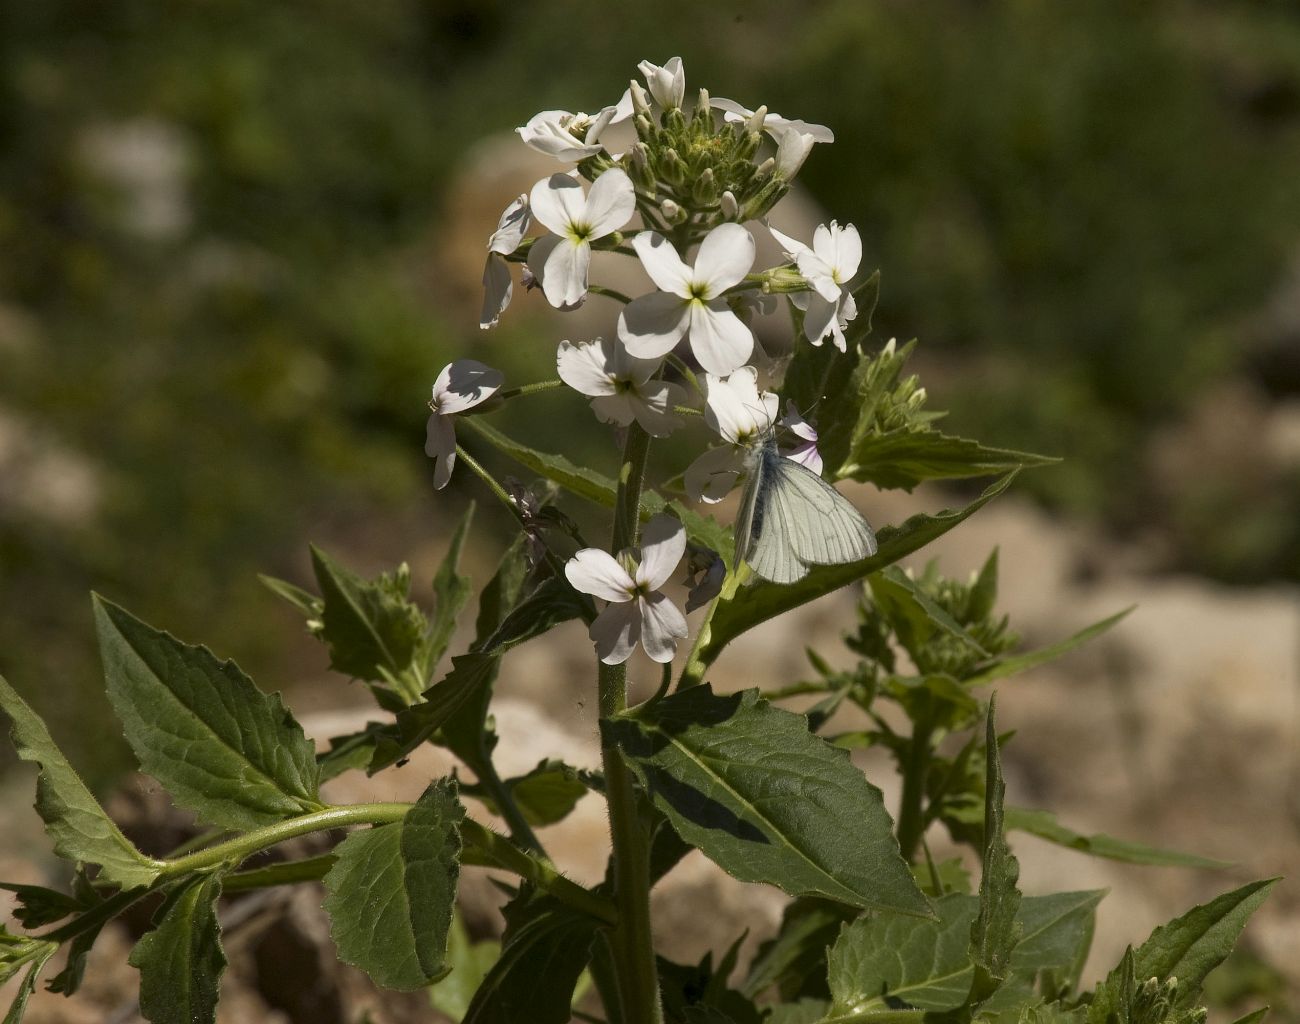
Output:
x=219 y=228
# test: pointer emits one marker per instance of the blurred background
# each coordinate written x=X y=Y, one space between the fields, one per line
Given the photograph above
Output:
x=238 y=240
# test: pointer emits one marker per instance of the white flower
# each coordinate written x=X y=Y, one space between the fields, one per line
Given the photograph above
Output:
x=560 y=261
x=805 y=452
x=741 y=415
x=828 y=266
x=620 y=385
x=461 y=385
x=775 y=124
x=571 y=137
x=638 y=610
x=667 y=84
x=792 y=149
x=691 y=300
x=497 y=283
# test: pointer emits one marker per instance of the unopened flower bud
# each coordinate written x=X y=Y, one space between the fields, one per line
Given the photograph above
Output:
x=730 y=208
x=888 y=350
x=765 y=168
x=640 y=101
x=756 y=120
x=671 y=167
x=703 y=111
x=671 y=211
x=644 y=126
x=916 y=399
x=749 y=144
x=706 y=187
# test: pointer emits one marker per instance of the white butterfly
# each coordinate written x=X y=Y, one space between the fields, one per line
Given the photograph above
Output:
x=791 y=519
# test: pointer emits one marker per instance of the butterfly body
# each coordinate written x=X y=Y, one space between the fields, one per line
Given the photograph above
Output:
x=791 y=519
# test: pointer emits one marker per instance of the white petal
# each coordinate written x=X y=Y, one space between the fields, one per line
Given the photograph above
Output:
x=619 y=408
x=817 y=132
x=730 y=404
x=498 y=286
x=558 y=202
x=663 y=542
x=598 y=573
x=624 y=366
x=792 y=247
x=548 y=133
x=667 y=84
x=819 y=274
x=662 y=626
x=564 y=275
x=818 y=317
x=792 y=149
x=652 y=405
x=719 y=339
x=796 y=424
x=847 y=255
x=511 y=228
x=732 y=111
x=616 y=631
x=713 y=474
x=464 y=384
x=610 y=204
x=725 y=256
x=585 y=368
x=662 y=263
x=650 y=326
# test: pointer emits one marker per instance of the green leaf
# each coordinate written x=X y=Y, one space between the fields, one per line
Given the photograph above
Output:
x=218 y=745
x=74 y=821
x=28 y=985
x=805 y=1011
x=180 y=961
x=309 y=604
x=915 y=615
x=1056 y=933
x=996 y=930
x=372 y=629
x=68 y=980
x=1254 y=1017
x=470 y=675
x=760 y=601
x=905 y=458
x=1032 y=659
x=765 y=799
x=794 y=961
x=451 y=593
x=1044 y=825
x=1187 y=948
x=470 y=963
x=548 y=793
x=39 y=906
x=354 y=751
x=544 y=951
x=393 y=889
x=880 y=959
x=553 y=601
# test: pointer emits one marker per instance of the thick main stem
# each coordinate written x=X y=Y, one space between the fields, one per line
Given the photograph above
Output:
x=632 y=941
x=911 y=823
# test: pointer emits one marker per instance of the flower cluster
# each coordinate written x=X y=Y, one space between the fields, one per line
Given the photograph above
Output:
x=683 y=192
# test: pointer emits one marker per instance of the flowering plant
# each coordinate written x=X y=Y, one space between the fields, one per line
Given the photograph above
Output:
x=877 y=931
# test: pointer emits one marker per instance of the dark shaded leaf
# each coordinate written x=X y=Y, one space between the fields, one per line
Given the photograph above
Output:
x=905 y=458
x=764 y=798
x=181 y=960
x=451 y=592
x=794 y=960
x=218 y=745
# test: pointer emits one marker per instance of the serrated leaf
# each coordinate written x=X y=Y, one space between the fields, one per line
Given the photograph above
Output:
x=1045 y=825
x=68 y=980
x=880 y=959
x=39 y=906
x=354 y=751
x=218 y=745
x=74 y=821
x=794 y=961
x=765 y=799
x=758 y=602
x=392 y=891
x=903 y=459
x=1032 y=659
x=372 y=629
x=915 y=615
x=553 y=601
x=451 y=592
x=544 y=951
x=996 y=929
x=469 y=964
x=1188 y=948
x=181 y=960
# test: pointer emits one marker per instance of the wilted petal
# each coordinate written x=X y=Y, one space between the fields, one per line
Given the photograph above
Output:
x=711 y=477
x=706 y=584
x=616 y=632
x=719 y=338
x=564 y=275
x=650 y=326
x=662 y=263
x=725 y=256
x=511 y=228
x=652 y=405
x=663 y=542
x=610 y=204
x=440 y=444
x=598 y=573
x=498 y=286
x=585 y=368
x=558 y=202
x=464 y=384
x=662 y=626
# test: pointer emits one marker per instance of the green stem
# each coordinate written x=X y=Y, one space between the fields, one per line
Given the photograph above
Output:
x=609 y=293
x=291 y=872
x=911 y=824
x=520 y=831
x=106 y=911
x=632 y=940
x=529 y=389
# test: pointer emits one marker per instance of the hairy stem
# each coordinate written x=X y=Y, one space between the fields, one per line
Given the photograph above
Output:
x=633 y=945
x=911 y=822
x=529 y=389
